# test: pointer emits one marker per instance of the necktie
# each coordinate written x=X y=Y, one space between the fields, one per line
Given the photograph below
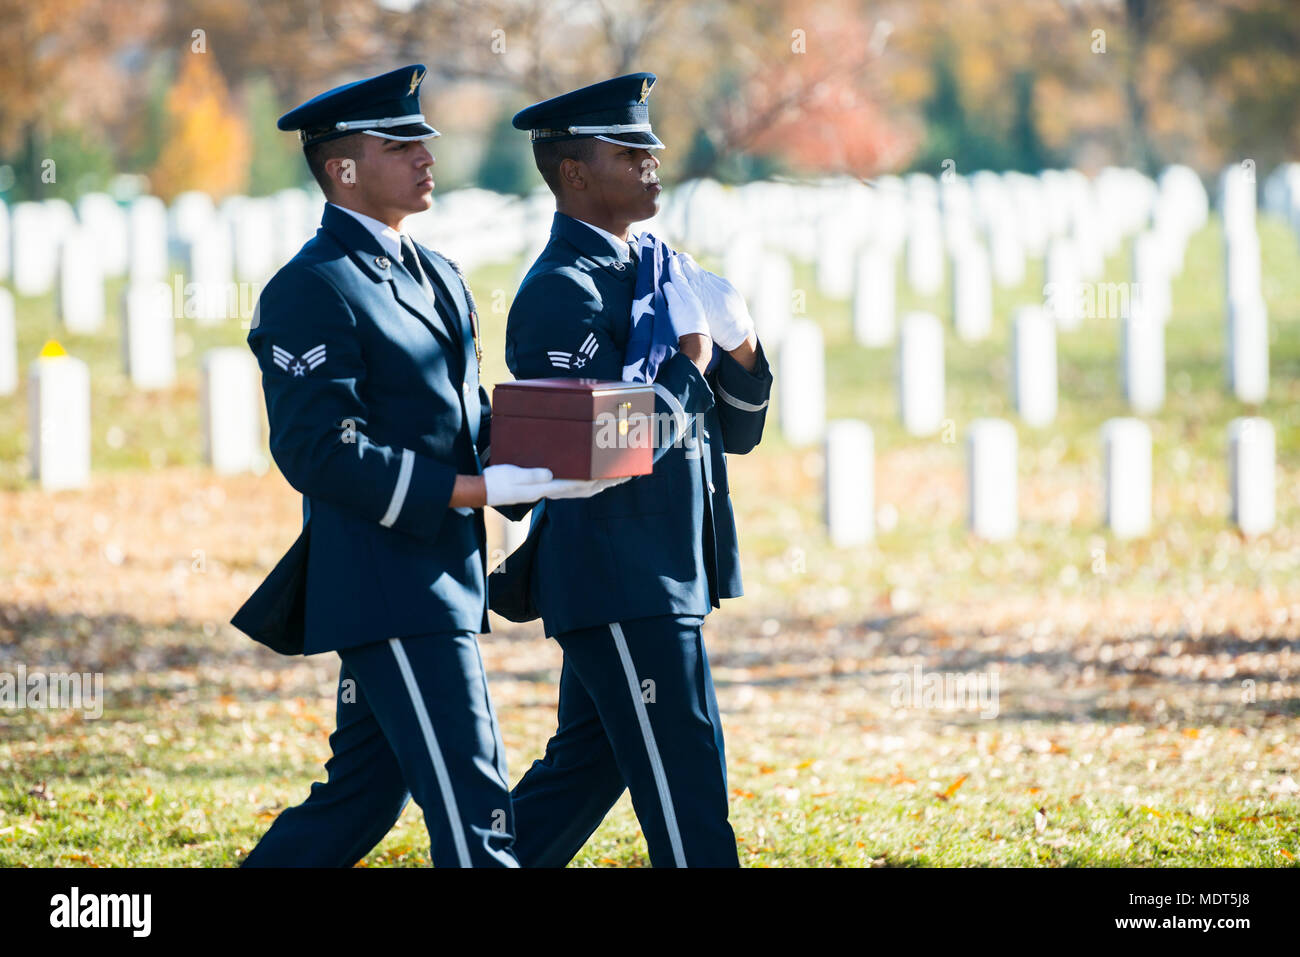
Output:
x=440 y=303
x=412 y=263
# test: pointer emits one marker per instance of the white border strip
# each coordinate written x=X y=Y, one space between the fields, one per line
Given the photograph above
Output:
x=400 y=489
x=435 y=755
x=656 y=763
x=741 y=404
x=675 y=407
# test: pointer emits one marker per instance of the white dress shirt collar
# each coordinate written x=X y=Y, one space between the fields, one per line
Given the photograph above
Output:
x=623 y=247
x=388 y=237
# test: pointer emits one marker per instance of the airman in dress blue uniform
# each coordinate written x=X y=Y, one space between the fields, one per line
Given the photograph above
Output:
x=368 y=346
x=624 y=581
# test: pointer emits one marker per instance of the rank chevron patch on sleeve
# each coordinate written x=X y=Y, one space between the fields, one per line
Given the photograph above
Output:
x=313 y=357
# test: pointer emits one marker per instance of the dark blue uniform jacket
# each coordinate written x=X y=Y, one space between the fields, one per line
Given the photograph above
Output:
x=374 y=405
x=660 y=544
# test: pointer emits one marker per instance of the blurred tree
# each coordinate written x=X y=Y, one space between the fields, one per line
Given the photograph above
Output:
x=794 y=82
x=141 y=142
x=303 y=46
x=1026 y=150
x=951 y=135
x=507 y=164
x=1142 y=19
x=276 y=162
x=1252 y=64
x=61 y=68
x=207 y=144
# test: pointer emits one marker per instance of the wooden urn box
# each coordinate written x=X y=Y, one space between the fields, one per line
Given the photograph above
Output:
x=577 y=428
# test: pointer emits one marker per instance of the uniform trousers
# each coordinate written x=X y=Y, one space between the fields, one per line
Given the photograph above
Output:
x=414 y=719
x=636 y=710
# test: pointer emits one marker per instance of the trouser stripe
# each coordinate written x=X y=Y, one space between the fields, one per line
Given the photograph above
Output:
x=435 y=754
x=656 y=763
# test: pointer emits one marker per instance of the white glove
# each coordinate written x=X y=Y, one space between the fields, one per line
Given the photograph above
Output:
x=684 y=306
x=582 y=488
x=730 y=323
x=512 y=485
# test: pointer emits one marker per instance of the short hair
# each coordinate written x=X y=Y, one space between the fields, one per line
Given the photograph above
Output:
x=344 y=147
x=548 y=154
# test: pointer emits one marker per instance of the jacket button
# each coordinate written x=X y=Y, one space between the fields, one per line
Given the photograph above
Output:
x=711 y=489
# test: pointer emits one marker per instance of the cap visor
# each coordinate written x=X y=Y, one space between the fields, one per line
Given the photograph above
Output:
x=415 y=131
x=647 y=141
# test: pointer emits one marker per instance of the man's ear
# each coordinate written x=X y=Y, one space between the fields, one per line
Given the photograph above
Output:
x=573 y=173
x=342 y=171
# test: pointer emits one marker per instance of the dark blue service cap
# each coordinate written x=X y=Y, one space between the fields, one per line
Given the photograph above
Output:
x=614 y=110
x=386 y=106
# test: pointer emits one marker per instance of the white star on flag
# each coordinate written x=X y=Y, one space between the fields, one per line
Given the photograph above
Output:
x=642 y=306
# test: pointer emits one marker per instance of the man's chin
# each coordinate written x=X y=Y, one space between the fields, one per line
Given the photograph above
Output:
x=649 y=210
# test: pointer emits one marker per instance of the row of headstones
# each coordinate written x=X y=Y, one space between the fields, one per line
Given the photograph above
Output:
x=1156 y=261
x=73 y=250
x=855 y=260
x=920 y=376
x=60 y=428
x=59 y=421
x=991 y=478
x=1014 y=215
x=828 y=221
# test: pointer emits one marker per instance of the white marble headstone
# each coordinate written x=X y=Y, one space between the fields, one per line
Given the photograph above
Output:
x=148 y=335
x=925 y=254
x=58 y=400
x=991 y=479
x=972 y=293
x=1252 y=474
x=211 y=282
x=850 y=482
x=254 y=232
x=1247 y=349
x=1033 y=365
x=802 y=383
x=1126 y=475
x=1142 y=359
x=920 y=373
x=1062 y=293
x=873 y=297
x=8 y=344
x=772 y=307
x=81 y=282
x=230 y=411
x=35 y=240
x=147 y=219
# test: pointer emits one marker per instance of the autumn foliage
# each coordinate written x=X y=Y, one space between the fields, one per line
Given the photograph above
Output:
x=207 y=143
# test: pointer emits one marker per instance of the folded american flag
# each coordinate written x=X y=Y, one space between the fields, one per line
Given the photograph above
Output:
x=664 y=308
